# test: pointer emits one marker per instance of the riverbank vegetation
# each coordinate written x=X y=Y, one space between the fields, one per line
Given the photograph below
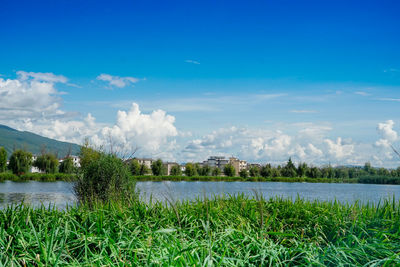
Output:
x=232 y=231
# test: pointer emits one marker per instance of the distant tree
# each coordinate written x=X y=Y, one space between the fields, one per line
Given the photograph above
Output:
x=266 y=170
x=205 y=170
x=47 y=163
x=134 y=167
x=216 y=171
x=302 y=169
x=176 y=170
x=157 y=167
x=229 y=170
x=67 y=165
x=3 y=159
x=143 y=169
x=20 y=162
x=254 y=171
x=275 y=172
x=314 y=172
x=243 y=173
x=289 y=170
x=190 y=170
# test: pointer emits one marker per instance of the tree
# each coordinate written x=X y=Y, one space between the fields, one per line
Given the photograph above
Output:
x=67 y=165
x=302 y=169
x=216 y=171
x=254 y=171
x=229 y=170
x=134 y=167
x=157 y=167
x=47 y=163
x=20 y=162
x=243 y=173
x=205 y=170
x=289 y=170
x=143 y=170
x=3 y=159
x=176 y=170
x=266 y=171
x=190 y=170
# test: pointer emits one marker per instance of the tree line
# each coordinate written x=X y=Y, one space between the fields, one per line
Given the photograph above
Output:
x=289 y=170
x=21 y=162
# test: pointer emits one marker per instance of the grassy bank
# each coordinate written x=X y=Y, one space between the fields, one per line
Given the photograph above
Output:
x=233 y=231
x=43 y=177
x=363 y=180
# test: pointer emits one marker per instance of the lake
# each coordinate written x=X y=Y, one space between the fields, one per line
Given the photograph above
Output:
x=60 y=193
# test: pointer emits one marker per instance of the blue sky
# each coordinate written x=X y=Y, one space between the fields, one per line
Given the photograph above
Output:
x=232 y=78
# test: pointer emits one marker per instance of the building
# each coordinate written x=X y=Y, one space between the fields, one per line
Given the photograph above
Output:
x=168 y=166
x=145 y=161
x=216 y=161
x=238 y=164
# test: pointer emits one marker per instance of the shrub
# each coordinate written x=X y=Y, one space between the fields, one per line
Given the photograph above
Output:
x=104 y=178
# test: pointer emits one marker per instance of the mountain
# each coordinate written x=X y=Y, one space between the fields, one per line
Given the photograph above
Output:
x=12 y=139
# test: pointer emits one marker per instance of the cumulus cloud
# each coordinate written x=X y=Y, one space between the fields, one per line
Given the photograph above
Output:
x=338 y=150
x=117 y=81
x=31 y=95
x=385 y=129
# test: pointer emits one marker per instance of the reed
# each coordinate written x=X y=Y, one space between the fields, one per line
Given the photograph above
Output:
x=221 y=231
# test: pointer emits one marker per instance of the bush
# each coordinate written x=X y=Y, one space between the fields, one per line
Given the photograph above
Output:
x=3 y=159
x=229 y=170
x=104 y=178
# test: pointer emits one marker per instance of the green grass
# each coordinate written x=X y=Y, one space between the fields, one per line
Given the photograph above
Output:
x=232 y=231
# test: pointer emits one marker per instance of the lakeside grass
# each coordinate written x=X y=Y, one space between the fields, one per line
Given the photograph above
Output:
x=42 y=177
x=230 y=231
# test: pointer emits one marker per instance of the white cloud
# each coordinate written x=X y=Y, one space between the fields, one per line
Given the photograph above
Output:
x=362 y=93
x=389 y=99
x=192 y=62
x=338 y=150
x=117 y=81
x=385 y=129
x=31 y=95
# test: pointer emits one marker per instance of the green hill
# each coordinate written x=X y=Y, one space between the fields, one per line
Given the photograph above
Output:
x=12 y=139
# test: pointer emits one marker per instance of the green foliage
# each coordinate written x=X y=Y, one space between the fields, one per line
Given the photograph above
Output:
x=20 y=162
x=229 y=170
x=47 y=163
x=289 y=170
x=88 y=155
x=144 y=170
x=176 y=170
x=190 y=170
x=134 y=167
x=219 y=231
x=204 y=171
x=67 y=166
x=3 y=159
x=254 y=171
x=103 y=179
x=266 y=171
x=216 y=171
x=157 y=168
x=244 y=173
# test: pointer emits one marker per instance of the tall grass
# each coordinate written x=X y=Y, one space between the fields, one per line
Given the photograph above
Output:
x=231 y=231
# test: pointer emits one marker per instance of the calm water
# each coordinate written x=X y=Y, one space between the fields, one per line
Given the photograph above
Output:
x=60 y=193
